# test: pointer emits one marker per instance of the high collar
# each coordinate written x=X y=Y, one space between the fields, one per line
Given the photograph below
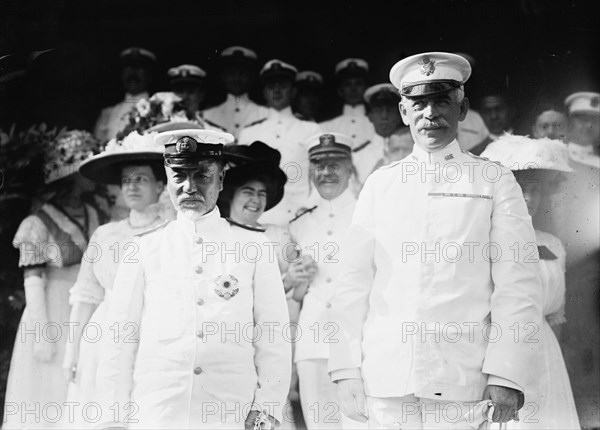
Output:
x=144 y=218
x=287 y=112
x=204 y=223
x=135 y=98
x=358 y=110
x=580 y=149
x=338 y=204
x=444 y=155
x=241 y=99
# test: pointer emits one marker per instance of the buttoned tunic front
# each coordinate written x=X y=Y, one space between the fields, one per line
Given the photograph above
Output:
x=353 y=122
x=319 y=233
x=200 y=318
x=439 y=286
x=288 y=134
x=235 y=113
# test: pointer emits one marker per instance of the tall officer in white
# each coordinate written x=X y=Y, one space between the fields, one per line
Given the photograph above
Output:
x=351 y=75
x=238 y=71
x=437 y=306
x=136 y=76
x=286 y=133
x=319 y=231
x=186 y=306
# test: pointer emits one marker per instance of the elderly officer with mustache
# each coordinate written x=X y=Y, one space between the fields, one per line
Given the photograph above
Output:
x=198 y=311
x=438 y=304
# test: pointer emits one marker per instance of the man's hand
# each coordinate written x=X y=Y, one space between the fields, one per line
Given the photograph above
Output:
x=351 y=395
x=505 y=400
x=251 y=419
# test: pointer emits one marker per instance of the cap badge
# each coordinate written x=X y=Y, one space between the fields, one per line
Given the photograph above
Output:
x=595 y=101
x=427 y=66
x=186 y=144
x=327 y=140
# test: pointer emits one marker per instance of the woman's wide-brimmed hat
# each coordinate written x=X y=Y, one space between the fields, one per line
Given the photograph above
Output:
x=257 y=161
x=65 y=154
x=135 y=148
x=525 y=153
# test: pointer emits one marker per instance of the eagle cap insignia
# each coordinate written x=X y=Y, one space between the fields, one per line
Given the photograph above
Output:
x=327 y=140
x=226 y=286
x=427 y=66
x=186 y=144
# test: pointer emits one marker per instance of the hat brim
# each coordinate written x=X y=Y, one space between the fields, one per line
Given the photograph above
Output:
x=237 y=176
x=106 y=168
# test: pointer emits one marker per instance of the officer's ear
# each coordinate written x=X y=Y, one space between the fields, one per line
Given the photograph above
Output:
x=464 y=108
x=402 y=110
x=221 y=177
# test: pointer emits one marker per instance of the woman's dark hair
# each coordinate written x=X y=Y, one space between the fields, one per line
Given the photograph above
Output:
x=157 y=168
x=234 y=181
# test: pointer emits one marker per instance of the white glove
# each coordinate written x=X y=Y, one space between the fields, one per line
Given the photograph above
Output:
x=37 y=317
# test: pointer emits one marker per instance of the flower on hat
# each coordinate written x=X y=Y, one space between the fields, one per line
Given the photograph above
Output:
x=66 y=152
x=161 y=107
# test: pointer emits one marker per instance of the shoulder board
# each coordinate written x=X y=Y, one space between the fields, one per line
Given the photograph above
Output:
x=213 y=124
x=361 y=146
x=246 y=226
x=303 y=212
x=389 y=166
x=153 y=229
x=479 y=157
x=256 y=122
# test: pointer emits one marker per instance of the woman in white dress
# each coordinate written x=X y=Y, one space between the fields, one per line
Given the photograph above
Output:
x=537 y=165
x=51 y=242
x=252 y=187
x=136 y=164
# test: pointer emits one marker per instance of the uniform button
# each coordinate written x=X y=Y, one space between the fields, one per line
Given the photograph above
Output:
x=237 y=109
x=353 y=121
x=197 y=370
x=198 y=239
x=329 y=233
x=200 y=334
x=354 y=136
x=237 y=126
x=328 y=305
x=328 y=280
x=277 y=136
x=331 y=215
x=198 y=269
x=200 y=301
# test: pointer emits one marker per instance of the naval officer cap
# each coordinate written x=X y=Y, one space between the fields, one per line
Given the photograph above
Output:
x=323 y=146
x=238 y=53
x=186 y=74
x=430 y=73
x=309 y=78
x=274 y=69
x=381 y=93
x=583 y=102
x=136 y=56
x=190 y=147
x=351 y=68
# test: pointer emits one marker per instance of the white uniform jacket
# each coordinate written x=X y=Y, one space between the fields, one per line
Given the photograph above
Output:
x=288 y=134
x=235 y=113
x=114 y=118
x=353 y=122
x=192 y=293
x=319 y=233
x=439 y=286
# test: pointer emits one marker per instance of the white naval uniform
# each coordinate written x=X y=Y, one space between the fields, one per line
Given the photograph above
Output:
x=583 y=154
x=196 y=364
x=319 y=233
x=288 y=134
x=472 y=130
x=235 y=113
x=366 y=157
x=428 y=262
x=353 y=122
x=114 y=118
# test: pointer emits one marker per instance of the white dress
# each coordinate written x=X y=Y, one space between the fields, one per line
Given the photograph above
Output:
x=36 y=390
x=110 y=245
x=554 y=408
